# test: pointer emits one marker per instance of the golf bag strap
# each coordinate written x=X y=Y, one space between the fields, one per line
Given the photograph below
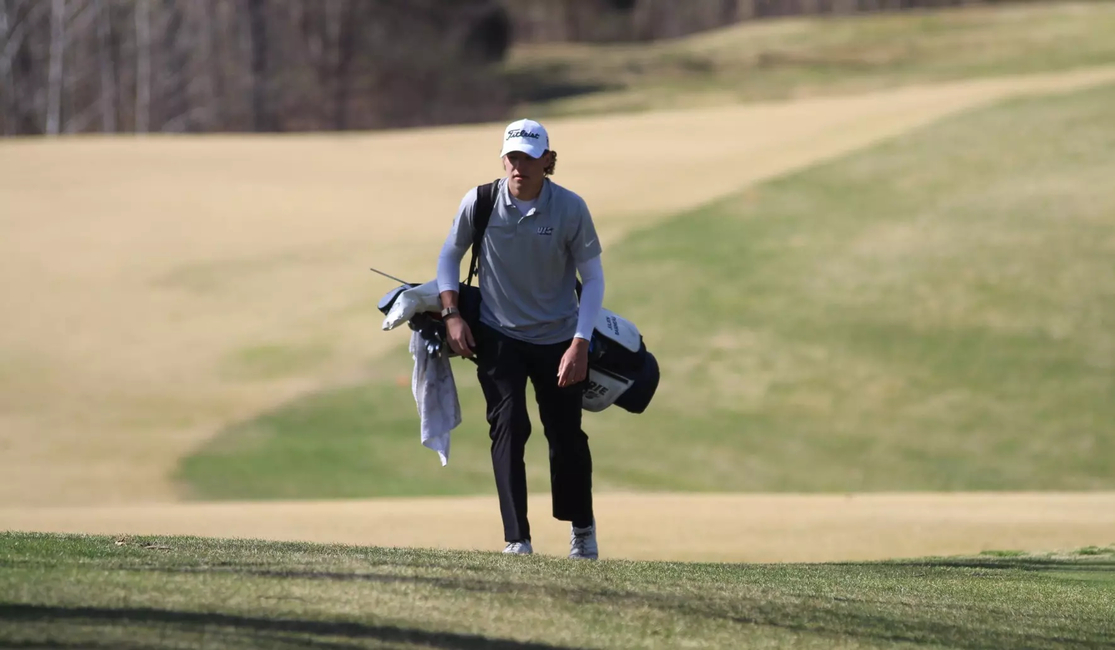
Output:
x=485 y=203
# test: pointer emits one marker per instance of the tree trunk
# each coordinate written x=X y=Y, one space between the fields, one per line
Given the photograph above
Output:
x=54 y=82
x=257 y=26
x=174 y=102
x=143 y=65
x=569 y=20
x=8 y=12
x=345 y=47
x=108 y=68
x=26 y=61
x=203 y=105
x=221 y=47
x=729 y=12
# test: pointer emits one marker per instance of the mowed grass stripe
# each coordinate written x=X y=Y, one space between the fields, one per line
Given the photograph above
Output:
x=81 y=591
x=931 y=314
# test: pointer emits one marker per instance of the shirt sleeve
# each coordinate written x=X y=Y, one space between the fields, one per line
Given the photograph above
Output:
x=592 y=296
x=457 y=242
x=584 y=244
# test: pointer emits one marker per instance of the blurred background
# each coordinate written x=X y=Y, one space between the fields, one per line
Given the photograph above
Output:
x=109 y=66
x=869 y=241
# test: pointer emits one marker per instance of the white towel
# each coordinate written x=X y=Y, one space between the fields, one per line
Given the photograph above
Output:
x=424 y=297
x=435 y=394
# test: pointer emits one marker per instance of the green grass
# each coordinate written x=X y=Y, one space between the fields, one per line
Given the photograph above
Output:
x=934 y=313
x=273 y=360
x=353 y=441
x=94 y=592
x=808 y=56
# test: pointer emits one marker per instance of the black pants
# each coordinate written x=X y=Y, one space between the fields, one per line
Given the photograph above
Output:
x=503 y=366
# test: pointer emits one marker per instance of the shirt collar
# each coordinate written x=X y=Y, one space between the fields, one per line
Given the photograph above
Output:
x=541 y=202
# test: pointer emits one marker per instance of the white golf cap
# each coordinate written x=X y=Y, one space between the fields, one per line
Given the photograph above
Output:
x=527 y=136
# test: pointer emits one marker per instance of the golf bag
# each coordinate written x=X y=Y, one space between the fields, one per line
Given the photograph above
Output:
x=621 y=369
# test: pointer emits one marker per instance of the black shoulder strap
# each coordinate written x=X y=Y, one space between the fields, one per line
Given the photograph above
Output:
x=485 y=203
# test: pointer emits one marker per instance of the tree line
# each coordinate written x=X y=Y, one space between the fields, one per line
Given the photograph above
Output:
x=78 y=66
x=74 y=66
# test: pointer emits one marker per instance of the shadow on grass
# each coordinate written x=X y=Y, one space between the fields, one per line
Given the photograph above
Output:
x=66 y=645
x=453 y=584
x=213 y=638
x=823 y=616
x=203 y=620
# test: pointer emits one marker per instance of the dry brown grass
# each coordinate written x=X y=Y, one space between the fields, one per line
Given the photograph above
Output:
x=158 y=289
x=694 y=527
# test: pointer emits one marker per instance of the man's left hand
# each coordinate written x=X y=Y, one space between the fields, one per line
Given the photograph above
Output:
x=574 y=364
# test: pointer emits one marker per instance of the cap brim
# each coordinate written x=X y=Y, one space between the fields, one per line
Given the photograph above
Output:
x=532 y=150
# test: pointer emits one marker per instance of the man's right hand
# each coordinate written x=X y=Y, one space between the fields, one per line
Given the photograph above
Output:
x=459 y=335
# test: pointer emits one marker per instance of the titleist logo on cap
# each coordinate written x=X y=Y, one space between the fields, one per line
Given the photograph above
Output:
x=522 y=133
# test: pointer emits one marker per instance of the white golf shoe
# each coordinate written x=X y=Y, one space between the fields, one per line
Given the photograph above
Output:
x=519 y=548
x=582 y=543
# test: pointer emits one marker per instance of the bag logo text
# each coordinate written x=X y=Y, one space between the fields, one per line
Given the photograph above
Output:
x=595 y=391
x=612 y=325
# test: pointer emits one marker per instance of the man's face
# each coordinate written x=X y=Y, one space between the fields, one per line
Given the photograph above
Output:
x=523 y=171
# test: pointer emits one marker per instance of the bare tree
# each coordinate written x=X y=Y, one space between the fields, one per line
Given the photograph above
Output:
x=203 y=84
x=108 y=68
x=260 y=72
x=11 y=37
x=143 y=65
x=80 y=104
x=57 y=52
x=345 y=46
x=172 y=96
x=21 y=63
x=219 y=48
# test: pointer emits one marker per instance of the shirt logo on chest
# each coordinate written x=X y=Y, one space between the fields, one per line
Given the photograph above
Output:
x=546 y=230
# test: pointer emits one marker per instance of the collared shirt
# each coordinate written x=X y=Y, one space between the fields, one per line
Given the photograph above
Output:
x=528 y=262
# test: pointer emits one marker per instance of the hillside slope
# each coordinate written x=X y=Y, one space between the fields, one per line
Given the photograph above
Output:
x=813 y=56
x=160 y=289
x=933 y=313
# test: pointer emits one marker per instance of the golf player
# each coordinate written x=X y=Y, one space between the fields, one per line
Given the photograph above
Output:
x=532 y=325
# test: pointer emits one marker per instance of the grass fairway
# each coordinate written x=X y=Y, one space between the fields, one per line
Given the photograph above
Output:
x=799 y=57
x=934 y=313
x=158 y=290
x=97 y=592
